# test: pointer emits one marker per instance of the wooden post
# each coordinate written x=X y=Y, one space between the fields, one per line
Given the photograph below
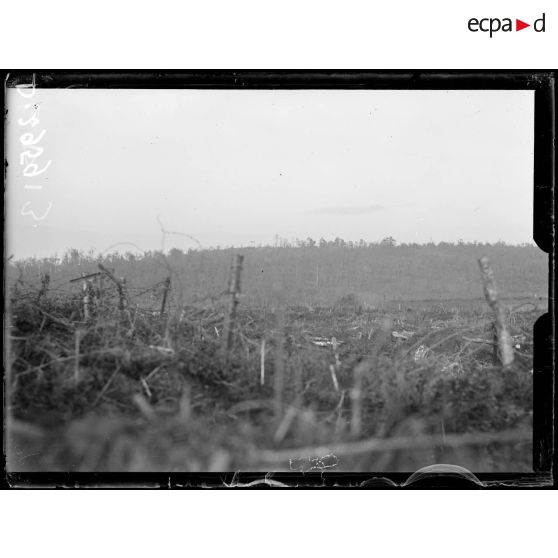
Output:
x=279 y=362
x=122 y=294
x=86 y=300
x=45 y=281
x=165 y=294
x=491 y=295
x=262 y=362
x=120 y=287
x=101 y=285
x=76 y=362
x=495 y=358
x=234 y=291
x=356 y=399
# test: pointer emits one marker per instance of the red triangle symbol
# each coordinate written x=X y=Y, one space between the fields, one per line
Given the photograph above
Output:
x=519 y=25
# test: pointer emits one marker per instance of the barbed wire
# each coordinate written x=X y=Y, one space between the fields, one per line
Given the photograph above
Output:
x=61 y=286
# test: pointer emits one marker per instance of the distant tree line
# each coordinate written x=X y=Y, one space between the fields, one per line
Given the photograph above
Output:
x=281 y=242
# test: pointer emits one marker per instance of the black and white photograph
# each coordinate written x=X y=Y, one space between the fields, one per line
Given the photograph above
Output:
x=272 y=279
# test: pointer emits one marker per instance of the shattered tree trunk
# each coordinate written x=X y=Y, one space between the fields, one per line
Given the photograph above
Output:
x=491 y=294
x=45 y=282
x=234 y=291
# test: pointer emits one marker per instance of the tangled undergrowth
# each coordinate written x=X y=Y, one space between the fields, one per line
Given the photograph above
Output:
x=134 y=390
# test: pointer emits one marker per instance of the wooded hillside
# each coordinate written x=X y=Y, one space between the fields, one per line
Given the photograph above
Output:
x=310 y=273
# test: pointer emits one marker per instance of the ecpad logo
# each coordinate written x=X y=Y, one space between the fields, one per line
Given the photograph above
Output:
x=493 y=25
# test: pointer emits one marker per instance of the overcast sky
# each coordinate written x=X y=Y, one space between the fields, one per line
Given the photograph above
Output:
x=236 y=167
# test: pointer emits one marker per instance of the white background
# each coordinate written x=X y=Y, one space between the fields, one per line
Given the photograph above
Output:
x=287 y=34
x=281 y=34
x=270 y=524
